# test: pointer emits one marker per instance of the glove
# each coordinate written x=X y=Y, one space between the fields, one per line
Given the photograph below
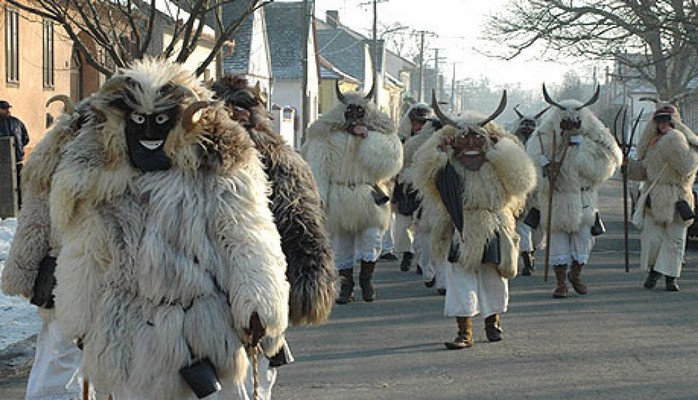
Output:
x=44 y=283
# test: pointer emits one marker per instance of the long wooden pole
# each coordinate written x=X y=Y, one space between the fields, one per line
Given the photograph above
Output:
x=549 y=211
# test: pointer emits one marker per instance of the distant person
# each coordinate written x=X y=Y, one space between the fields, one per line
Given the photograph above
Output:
x=354 y=152
x=13 y=126
x=669 y=165
x=577 y=154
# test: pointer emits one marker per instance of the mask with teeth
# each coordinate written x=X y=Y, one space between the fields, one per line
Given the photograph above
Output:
x=470 y=147
x=146 y=135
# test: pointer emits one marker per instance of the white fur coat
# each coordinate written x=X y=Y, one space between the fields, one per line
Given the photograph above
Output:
x=161 y=269
x=492 y=195
x=584 y=168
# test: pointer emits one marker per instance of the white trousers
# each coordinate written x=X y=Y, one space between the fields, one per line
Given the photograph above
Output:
x=663 y=245
x=348 y=247
x=404 y=233
x=568 y=247
x=388 y=244
x=55 y=373
x=470 y=293
x=524 y=231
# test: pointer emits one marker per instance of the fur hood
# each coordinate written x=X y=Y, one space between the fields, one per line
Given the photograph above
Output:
x=333 y=119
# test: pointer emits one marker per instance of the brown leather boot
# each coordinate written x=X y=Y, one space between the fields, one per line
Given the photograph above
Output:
x=575 y=278
x=492 y=328
x=346 y=289
x=465 y=334
x=365 y=280
x=561 y=289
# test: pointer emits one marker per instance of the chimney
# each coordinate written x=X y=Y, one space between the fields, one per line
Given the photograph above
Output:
x=332 y=18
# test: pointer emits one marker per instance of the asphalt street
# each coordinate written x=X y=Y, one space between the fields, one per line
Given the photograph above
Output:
x=620 y=341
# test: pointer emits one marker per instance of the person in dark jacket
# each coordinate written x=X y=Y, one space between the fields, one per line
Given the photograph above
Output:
x=13 y=126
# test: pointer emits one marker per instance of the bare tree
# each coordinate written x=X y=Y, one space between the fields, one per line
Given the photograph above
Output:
x=110 y=33
x=655 y=39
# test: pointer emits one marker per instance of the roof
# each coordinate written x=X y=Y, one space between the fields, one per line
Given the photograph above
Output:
x=286 y=38
x=342 y=48
x=329 y=71
x=239 y=60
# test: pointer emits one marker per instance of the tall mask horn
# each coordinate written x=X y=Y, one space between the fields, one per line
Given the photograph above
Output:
x=68 y=105
x=369 y=95
x=516 y=109
x=340 y=95
x=499 y=110
x=592 y=100
x=115 y=83
x=550 y=100
x=435 y=105
x=190 y=115
x=678 y=98
x=652 y=99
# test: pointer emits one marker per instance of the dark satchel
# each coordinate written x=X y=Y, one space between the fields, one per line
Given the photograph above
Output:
x=492 y=253
x=45 y=283
x=282 y=357
x=532 y=218
x=685 y=211
x=408 y=202
x=201 y=378
x=379 y=197
x=598 y=228
x=454 y=252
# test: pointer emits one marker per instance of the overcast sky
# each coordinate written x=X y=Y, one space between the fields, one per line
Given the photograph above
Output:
x=458 y=24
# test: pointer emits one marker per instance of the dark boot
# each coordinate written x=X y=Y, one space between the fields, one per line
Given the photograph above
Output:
x=527 y=257
x=465 y=334
x=365 y=277
x=575 y=278
x=561 y=289
x=652 y=278
x=346 y=290
x=492 y=329
x=671 y=285
x=406 y=263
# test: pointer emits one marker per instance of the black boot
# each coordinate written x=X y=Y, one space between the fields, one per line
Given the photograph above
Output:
x=671 y=285
x=492 y=329
x=527 y=257
x=652 y=278
x=406 y=263
x=365 y=280
x=346 y=290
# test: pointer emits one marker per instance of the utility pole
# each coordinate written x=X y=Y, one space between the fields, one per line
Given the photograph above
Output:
x=308 y=12
x=375 y=53
x=453 y=90
x=421 y=66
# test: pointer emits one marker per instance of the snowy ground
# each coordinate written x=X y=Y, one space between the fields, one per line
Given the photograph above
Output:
x=18 y=318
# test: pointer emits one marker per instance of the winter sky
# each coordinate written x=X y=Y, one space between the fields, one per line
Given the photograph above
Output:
x=458 y=24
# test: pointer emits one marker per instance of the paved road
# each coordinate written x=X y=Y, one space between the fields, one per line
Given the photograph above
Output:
x=620 y=341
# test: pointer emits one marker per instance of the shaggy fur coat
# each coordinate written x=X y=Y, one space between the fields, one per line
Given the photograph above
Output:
x=346 y=166
x=491 y=197
x=670 y=160
x=161 y=269
x=34 y=238
x=298 y=214
x=584 y=168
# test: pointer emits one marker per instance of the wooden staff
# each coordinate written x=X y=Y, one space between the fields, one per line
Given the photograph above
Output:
x=552 y=176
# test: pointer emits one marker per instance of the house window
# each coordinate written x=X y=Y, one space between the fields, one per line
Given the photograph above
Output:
x=12 y=45
x=48 y=60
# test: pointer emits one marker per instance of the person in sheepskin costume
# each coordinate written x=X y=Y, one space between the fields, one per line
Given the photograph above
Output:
x=523 y=127
x=586 y=155
x=354 y=152
x=30 y=266
x=299 y=217
x=424 y=217
x=171 y=265
x=477 y=176
x=405 y=195
x=667 y=161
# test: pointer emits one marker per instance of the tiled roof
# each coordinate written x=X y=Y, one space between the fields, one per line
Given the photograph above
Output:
x=285 y=31
x=343 y=50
